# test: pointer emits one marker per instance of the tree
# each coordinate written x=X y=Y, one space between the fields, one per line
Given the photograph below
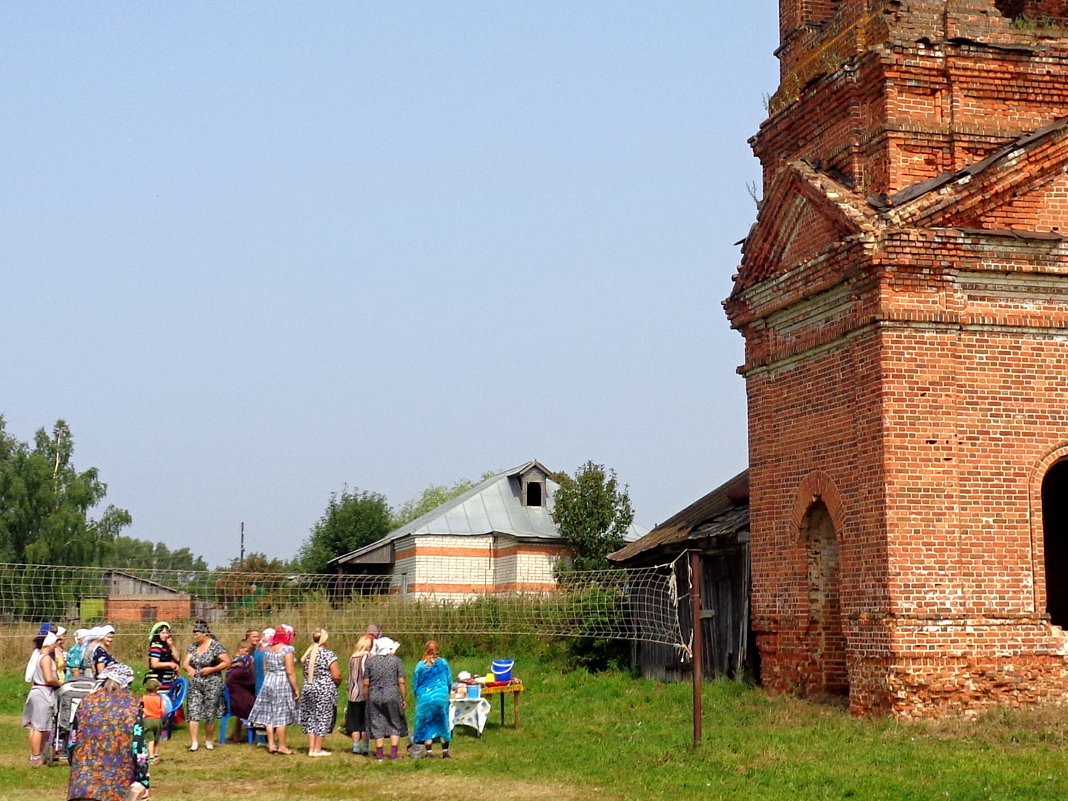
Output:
x=352 y=519
x=45 y=503
x=129 y=553
x=251 y=583
x=432 y=497
x=592 y=513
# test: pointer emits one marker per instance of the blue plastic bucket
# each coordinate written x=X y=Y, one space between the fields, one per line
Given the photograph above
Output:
x=473 y=691
x=502 y=669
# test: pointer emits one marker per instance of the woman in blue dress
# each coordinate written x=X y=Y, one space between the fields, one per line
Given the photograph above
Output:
x=431 y=682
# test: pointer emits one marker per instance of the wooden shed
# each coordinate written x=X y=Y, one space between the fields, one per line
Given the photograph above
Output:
x=717 y=527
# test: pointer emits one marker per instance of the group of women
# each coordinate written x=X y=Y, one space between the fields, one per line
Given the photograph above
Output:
x=108 y=753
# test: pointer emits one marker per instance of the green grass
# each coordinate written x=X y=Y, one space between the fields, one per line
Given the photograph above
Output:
x=610 y=736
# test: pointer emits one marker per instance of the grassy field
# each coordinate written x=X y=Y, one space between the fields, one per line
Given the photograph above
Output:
x=608 y=736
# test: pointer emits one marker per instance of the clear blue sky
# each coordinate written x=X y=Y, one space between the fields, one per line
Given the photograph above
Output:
x=256 y=252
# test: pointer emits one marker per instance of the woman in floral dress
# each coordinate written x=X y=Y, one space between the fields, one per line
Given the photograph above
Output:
x=205 y=661
x=385 y=689
x=318 y=698
x=107 y=743
x=276 y=704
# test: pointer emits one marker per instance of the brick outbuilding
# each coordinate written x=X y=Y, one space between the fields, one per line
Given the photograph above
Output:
x=903 y=297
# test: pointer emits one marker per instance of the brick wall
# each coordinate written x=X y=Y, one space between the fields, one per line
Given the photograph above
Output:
x=905 y=367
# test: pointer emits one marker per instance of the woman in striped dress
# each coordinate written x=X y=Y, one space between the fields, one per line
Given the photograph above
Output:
x=276 y=704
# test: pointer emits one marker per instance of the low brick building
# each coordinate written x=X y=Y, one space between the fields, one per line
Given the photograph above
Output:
x=132 y=599
x=497 y=537
x=903 y=297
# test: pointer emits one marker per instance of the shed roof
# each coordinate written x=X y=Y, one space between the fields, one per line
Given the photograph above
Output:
x=723 y=511
x=495 y=505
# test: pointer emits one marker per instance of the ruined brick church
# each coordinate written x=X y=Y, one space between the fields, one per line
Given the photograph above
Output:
x=903 y=297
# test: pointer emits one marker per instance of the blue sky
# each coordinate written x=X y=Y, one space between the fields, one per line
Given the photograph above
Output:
x=255 y=253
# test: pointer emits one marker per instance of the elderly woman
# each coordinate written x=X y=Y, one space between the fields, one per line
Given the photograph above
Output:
x=162 y=663
x=276 y=704
x=43 y=677
x=100 y=649
x=205 y=661
x=318 y=698
x=385 y=689
x=107 y=751
x=431 y=683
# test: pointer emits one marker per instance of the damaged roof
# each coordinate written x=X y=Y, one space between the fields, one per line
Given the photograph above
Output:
x=723 y=511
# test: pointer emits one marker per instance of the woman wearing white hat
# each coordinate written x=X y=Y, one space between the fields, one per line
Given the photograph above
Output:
x=108 y=756
x=74 y=655
x=386 y=691
x=43 y=678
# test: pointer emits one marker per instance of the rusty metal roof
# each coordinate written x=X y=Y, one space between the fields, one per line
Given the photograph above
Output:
x=725 y=510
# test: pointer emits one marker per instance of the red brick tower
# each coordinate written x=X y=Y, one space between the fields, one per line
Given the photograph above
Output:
x=904 y=302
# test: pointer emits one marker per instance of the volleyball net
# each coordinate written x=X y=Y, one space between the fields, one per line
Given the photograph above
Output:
x=639 y=604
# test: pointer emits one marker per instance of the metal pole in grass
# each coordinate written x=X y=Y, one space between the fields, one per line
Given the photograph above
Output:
x=698 y=641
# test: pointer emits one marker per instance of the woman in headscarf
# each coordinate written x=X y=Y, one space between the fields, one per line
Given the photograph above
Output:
x=241 y=687
x=74 y=655
x=431 y=683
x=43 y=677
x=276 y=704
x=205 y=661
x=386 y=691
x=162 y=663
x=99 y=649
x=108 y=757
x=356 y=712
x=318 y=698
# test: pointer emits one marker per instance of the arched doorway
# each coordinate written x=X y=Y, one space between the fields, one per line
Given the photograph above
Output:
x=1055 y=541
x=825 y=608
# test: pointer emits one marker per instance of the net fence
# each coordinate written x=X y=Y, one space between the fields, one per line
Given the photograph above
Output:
x=640 y=604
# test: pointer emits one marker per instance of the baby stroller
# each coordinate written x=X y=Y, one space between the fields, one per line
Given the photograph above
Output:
x=68 y=696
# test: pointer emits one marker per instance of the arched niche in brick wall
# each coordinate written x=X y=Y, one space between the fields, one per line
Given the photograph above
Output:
x=817 y=486
x=817 y=516
x=1049 y=536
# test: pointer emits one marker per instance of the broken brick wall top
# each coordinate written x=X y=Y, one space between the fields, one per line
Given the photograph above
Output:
x=898 y=92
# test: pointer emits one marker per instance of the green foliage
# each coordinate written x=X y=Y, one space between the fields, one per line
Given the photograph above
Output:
x=352 y=519
x=433 y=497
x=592 y=513
x=249 y=584
x=127 y=553
x=45 y=503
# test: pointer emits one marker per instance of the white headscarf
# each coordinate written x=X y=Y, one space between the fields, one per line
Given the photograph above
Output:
x=385 y=646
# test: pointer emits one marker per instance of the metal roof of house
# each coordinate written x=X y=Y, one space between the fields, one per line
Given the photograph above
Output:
x=723 y=511
x=493 y=506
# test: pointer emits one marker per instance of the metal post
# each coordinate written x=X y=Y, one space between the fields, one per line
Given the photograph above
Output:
x=242 y=542
x=698 y=642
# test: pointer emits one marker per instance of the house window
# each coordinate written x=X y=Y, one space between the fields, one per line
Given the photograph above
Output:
x=534 y=494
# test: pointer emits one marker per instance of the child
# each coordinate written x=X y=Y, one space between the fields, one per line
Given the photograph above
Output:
x=157 y=707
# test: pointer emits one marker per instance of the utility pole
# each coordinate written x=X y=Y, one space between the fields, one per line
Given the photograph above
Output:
x=242 y=542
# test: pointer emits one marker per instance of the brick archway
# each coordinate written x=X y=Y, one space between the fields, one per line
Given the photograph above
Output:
x=817 y=486
x=817 y=516
x=1039 y=555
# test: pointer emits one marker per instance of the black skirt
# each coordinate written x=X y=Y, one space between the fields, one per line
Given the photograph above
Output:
x=356 y=716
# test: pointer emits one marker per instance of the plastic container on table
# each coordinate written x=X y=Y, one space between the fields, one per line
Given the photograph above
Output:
x=502 y=669
x=474 y=691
